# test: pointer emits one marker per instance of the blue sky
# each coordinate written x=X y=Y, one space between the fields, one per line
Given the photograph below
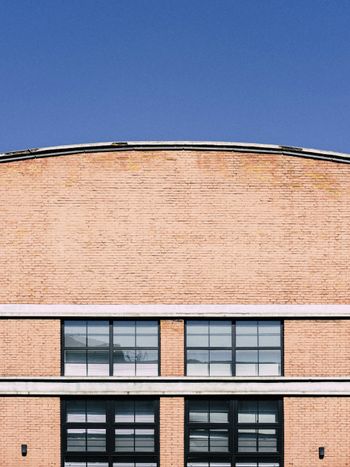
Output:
x=263 y=71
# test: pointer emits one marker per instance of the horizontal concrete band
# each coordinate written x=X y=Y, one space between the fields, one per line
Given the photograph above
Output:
x=174 y=311
x=173 y=387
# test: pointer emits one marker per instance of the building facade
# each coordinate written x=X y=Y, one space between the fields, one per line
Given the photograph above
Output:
x=174 y=305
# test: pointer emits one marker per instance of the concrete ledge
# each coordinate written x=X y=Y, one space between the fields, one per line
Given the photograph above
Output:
x=173 y=387
x=174 y=311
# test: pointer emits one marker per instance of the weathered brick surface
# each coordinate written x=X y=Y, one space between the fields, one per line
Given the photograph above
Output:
x=34 y=421
x=311 y=422
x=317 y=347
x=174 y=227
x=172 y=431
x=172 y=347
x=30 y=347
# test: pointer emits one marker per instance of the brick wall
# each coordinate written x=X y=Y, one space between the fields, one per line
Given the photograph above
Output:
x=311 y=422
x=30 y=347
x=174 y=227
x=33 y=421
x=172 y=347
x=317 y=347
x=172 y=431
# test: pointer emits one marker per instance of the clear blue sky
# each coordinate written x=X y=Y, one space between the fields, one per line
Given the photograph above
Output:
x=264 y=71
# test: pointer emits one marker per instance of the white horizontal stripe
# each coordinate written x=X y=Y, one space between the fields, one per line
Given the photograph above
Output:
x=176 y=388
x=173 y=311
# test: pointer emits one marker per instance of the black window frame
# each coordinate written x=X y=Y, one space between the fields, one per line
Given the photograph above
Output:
x=233 y=456
x=110 y=348
x=234 y=348
x=110 y=455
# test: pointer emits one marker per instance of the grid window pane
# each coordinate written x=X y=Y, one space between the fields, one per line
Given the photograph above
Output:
x=144 y=440
x=219 y=411
x=125 y=440
x=199 y=411
x=124 y=363
x=125 y=411
x=198 y=362
x=218 y=440
x=124 y=333
x=144 y=411
x=98 y=362
x=96 y=439
x=96 y=411
x=76 y=440
x=220 y=334
x=75 y=363
x=98 y=333
x=146 y=362
x=76 y=411
x=220 y=363
x=75 y=333
x=199 y=440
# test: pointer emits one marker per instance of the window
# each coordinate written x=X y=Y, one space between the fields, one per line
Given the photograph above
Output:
x=233 y=348
x=118 y=432
x=105 y=348
x=233 y=432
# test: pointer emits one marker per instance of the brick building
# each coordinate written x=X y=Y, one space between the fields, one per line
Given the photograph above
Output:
x=174 y=305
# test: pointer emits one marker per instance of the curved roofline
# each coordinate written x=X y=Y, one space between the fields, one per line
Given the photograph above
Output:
x=174 y=145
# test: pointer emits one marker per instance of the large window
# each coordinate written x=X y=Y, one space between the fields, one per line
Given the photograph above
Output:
x=233 y=348
x=118 y=432
x=233 y=432
x=105 y=348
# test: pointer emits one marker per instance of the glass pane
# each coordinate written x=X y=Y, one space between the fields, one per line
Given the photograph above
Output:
x=268 y=412
x=76 y=412
x=124 y=363
x=198 y=340
x=76 y=440
x=75 y=363
x=220 y=334
x=246 y=327
x=96 y=439
x=247 y=356
x=246 y=334
x=96 y=411
x=247 y=440
x=75 y=464
x=147 y=334
x=146 y=362
x=197 y=362
x=98 y=333
x=124 y=440
x=197 y=333
x=97 y=464
x=199 y=411
x=218 y=440
x=246 y=341
x=75 y=333
x=98 y=362
x=220 y=362
x=219 y=411
x=124 y=333
x=270 y=362
x=267 y=441
x=199 y=441
x=124 y=411
x=144 y=440
x=247 y=412
x=269 y=327
x=269 y=334
x=144 y=411
x=246 y=369
x=145 y=340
